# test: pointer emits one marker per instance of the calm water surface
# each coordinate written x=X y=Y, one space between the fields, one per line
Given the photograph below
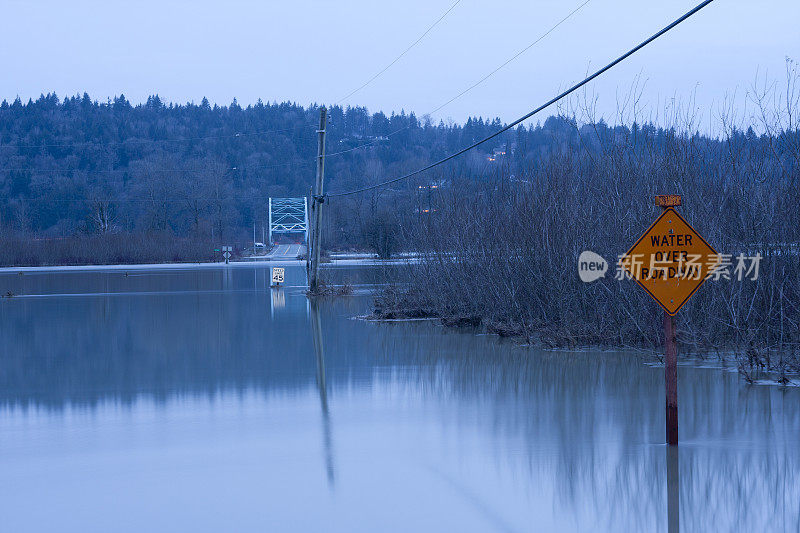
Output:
x=195 y=399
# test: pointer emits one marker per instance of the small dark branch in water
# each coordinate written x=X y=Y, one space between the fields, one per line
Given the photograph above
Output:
x=399 y=314
x=746 y=372
x=393 y=304
x=9 y=294
x=505 y=329
x=324 y=290
x=472 y=321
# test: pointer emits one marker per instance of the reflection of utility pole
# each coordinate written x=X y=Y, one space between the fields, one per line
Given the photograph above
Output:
x=673 y=490
x=316 y=334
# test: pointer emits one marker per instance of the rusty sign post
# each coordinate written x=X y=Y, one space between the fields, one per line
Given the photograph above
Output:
x=670 y=261
x=671 y=378
x=670 y=350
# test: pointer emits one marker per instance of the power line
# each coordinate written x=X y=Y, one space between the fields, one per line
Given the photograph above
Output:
x=512 y=58
x=480 y=81
x=538 y=109
x=404 y=52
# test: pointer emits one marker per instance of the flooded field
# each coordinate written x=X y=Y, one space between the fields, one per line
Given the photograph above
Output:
x=197 y=399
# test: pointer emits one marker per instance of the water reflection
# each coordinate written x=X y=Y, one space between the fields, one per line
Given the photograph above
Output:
x=673 y=489
x=601 y=416
x=319 y=351
x=458 y=431
x=277 y=302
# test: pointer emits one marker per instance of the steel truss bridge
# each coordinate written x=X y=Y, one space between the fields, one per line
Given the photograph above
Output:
x=288 y=215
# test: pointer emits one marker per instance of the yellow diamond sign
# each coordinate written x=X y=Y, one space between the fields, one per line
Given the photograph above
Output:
x=670 y=261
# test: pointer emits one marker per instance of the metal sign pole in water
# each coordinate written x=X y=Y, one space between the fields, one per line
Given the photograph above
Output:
x=670 y=261
x=670 y=351
x=318 y=199
x=671 y=378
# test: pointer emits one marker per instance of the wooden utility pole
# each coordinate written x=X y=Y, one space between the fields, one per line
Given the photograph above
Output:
x=309 y=232
x=317 y=200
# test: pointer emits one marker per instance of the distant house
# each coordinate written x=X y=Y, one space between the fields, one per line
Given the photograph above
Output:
x=358 y=138
x=497 y=153
x=435 y=184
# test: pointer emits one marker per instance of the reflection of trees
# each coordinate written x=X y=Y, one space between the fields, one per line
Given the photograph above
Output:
x=600 y=415
x=322 y=386
x=192 y=339
x=590 y=424
x=673 y=489
x=121 y=334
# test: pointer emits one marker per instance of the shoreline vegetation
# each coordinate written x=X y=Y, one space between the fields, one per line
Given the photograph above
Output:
x=654 y=355
x=755 y=364
x=105 y=249
x=502 y=254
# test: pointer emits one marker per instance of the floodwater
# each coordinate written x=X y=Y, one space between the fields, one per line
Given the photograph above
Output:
x=197 y=399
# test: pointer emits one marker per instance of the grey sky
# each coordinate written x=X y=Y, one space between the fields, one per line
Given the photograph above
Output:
x=314 y=51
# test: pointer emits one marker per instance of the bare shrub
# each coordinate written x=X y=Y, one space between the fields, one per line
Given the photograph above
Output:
x=505 y=250
x=103 y=249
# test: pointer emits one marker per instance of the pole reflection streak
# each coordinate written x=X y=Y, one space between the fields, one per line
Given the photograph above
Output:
x=673 y=489
x=316 y=333
x=277 y=301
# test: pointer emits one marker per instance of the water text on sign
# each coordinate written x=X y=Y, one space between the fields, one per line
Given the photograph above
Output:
x=670 y=260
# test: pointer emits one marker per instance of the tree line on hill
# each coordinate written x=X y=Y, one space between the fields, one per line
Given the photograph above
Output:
x=76 y=169
x=77 y=166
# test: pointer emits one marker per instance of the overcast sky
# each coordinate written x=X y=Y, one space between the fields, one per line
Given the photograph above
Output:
x=317 y=51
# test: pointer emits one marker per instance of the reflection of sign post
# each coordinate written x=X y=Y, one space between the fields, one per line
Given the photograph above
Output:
x=277 y=275
x=670 y=261
x=226 y=253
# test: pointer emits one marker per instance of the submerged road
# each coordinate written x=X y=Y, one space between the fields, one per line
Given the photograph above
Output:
x=286 y=252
